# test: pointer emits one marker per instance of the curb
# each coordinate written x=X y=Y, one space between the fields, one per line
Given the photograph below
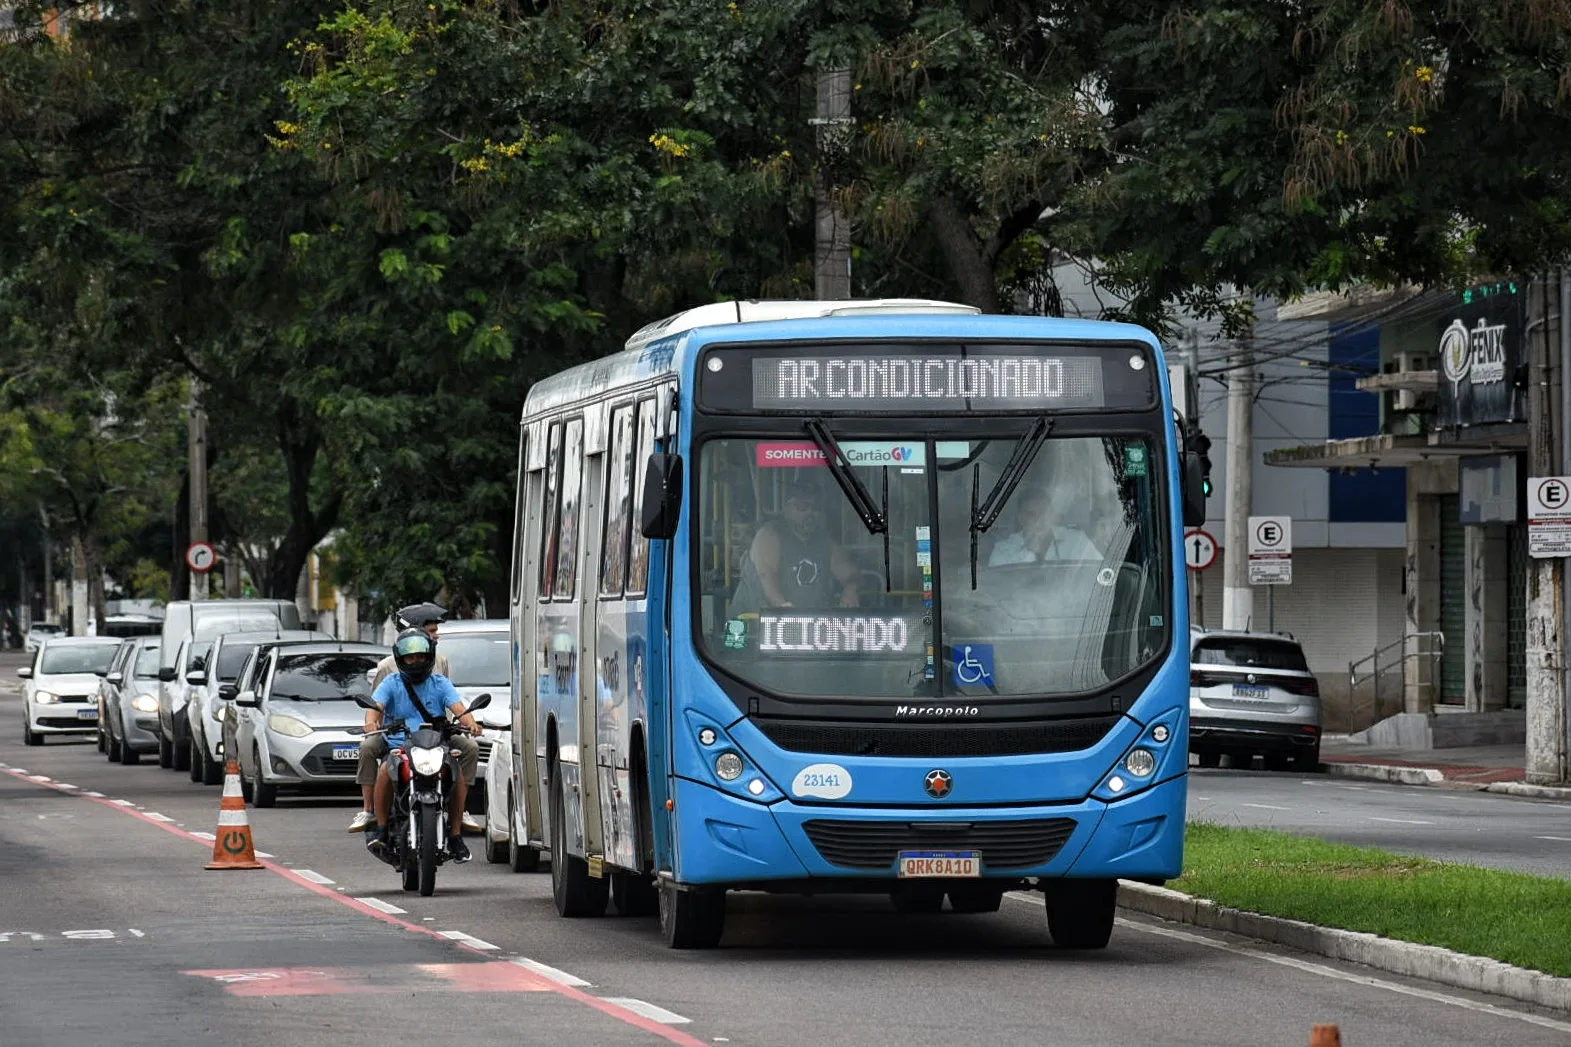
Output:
x=1383 y=773
x=1429 y=962
x=1380 y=772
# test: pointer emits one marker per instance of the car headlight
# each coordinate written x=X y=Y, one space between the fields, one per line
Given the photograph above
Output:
x=145 y=703
x=426 y=761
x=45 y=697
x=288 y=726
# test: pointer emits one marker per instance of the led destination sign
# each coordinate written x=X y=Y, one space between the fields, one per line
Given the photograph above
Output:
x=787 y=634
x=882 y=383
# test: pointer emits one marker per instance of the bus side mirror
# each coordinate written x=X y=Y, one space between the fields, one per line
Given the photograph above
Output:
x=662 y=503
x=1194 y=491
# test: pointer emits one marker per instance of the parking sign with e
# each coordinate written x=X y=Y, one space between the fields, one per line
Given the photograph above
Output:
x=1549 y=516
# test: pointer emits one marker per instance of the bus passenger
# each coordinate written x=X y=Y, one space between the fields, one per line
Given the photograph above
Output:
x=793 y=562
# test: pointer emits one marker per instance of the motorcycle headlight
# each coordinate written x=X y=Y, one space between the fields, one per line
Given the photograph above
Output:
x=426 y=761
x=145 y=703
x=45 y=697
x=288 y=726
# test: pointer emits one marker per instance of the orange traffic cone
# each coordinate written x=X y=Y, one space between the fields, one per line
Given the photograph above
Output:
x=1325 y=1036
x=232 y=848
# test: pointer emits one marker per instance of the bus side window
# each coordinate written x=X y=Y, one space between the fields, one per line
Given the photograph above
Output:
x=549 y=523
x=638 y=551
x=618 y=502
x=567 y=521
x=520 y=515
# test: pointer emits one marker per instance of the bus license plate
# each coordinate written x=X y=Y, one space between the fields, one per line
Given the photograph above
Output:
x=916 y=864
x=346 y=752
x=87 y=714
x=1253 y=694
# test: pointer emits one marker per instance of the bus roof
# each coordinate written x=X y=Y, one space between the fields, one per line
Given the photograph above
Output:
x=652 y=351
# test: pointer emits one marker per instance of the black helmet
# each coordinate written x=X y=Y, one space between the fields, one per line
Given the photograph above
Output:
x=418 y=615
x=415 y=654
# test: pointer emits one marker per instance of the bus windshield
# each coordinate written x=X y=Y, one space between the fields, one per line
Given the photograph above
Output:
x=1064 y=592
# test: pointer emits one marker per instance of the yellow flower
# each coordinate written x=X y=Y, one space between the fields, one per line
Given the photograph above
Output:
x=915 y=64
x=1341 y=138
x=286 y=128
x=1414 y=129
x=1425 y=73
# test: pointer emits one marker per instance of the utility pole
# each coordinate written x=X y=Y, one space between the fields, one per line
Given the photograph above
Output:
x=1196 y=413
x=1546 y=705
x=1238 y=598
x=196 y=450
x=832 y=256
x=49 y=567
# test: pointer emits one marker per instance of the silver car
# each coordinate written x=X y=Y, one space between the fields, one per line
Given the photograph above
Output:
x=294 y=726
x=128 y=702
x=212 y=688
x=1252 y=694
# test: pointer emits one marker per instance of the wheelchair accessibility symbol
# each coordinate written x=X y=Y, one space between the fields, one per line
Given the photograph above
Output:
x=974 y=667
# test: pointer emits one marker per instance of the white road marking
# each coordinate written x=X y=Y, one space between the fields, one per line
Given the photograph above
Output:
x=204 y=836
x=263 y=854
x=1265 y=806
x=1400 y=821
x=122 y=803
x=1557 y=839
x=313 y=876
x=65 y=785
x=550 y=973
x=380 y=906
x=648 y=1010
x=468 y=939
x=40 y=778
x=1345 y=976
x=159 y=817
x=138 y=933
x=96 y=796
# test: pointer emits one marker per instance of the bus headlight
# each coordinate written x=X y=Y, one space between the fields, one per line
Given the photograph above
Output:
x=725 y=764
x=1141 y=765
x=728 y=766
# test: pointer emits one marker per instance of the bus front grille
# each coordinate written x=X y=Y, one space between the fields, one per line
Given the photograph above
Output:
x=876 y=844
x=951 y=740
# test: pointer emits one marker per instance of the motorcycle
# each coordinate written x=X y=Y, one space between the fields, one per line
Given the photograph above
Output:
x=427 y=770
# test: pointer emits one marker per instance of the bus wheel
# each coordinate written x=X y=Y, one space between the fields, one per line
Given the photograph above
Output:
x=633 y=894
x=574 y=892
x=693 y=919
x=1080 y=912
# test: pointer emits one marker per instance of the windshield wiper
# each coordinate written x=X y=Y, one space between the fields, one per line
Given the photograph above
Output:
x=1015 y=469
x=856 y=493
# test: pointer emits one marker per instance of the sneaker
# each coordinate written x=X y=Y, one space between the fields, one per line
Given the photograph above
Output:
x=458 y=850
x=472 y=824
x=361 y=821
x=375 y=839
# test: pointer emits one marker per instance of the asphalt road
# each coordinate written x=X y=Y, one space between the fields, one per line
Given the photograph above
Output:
x=111 y=932
x=1478 y=828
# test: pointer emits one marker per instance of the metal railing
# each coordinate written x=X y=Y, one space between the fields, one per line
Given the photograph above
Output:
x=1389 y=663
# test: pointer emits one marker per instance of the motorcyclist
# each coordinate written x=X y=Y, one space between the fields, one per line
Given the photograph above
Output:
x=373 y=749
x=409 y=698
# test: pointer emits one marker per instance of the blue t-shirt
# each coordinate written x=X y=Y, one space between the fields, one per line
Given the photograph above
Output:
x=400 y=715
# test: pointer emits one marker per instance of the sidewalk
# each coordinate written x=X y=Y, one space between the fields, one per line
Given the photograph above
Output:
x=1495 y=768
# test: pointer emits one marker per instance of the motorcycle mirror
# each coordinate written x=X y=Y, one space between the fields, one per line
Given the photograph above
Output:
x=479 y=703
x=364 y=701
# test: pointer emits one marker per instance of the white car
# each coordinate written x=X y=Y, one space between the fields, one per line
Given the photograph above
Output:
x=506 y=823
x=61 y=693
x=479 y=655
x=38 y=632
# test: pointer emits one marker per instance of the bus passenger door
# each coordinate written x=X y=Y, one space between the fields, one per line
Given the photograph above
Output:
x=527 y=768
x=590 y=676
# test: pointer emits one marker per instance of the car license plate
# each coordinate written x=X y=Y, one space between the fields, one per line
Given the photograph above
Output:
x=1253 y=694
x=916 y=864
x=346 y=752
x=87 y=714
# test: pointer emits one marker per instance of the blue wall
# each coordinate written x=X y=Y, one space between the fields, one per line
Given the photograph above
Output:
x=1365 y=495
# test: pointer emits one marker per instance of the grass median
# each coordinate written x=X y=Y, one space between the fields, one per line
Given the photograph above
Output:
x=1519 y=919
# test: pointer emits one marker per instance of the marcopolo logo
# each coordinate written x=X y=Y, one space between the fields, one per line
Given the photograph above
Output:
x=936 y=712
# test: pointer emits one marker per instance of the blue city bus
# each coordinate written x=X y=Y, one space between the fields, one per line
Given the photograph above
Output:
x=877 y=596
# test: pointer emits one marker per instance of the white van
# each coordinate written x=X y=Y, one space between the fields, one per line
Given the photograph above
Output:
x=204 y=620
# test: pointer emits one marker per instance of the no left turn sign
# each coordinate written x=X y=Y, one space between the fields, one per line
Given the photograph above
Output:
x=200 y=557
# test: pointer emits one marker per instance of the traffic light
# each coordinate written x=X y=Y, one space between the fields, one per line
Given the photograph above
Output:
x=1200 y=443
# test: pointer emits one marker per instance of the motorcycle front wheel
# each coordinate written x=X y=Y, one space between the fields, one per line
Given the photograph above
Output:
x=430 y=828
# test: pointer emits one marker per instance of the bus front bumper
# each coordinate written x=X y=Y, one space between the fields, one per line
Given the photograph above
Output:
x=724 y=840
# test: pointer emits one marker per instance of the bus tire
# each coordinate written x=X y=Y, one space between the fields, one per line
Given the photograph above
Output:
x=574 y=891
x=1080 y=912
x=692 y=919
